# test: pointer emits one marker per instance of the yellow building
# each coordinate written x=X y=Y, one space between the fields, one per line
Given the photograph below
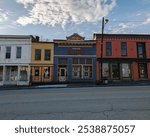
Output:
x=42 y=62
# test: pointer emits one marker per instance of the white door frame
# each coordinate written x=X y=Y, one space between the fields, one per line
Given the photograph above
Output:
x=62 y=77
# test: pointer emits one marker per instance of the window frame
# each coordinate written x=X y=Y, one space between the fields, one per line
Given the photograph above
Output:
x=18 y=55
x=108 y=48
x=146 y=69
x=45 y=55
x=123 y=48
x=8 y=53
x=36 y=55
x=143 y=45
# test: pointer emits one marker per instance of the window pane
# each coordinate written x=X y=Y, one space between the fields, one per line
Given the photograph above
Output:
x=141 y=50
x=8 y=52
x=105 y=68
x=88 y=61
x=24 y=73
x=47 y=72
x=18 y=55
x=87 y=71
x=75 y=61
x=37 y=72
x=126 y=70
x=82 y=61
x=47 y=54
x=108 y=48
x=76 y=73
x=37 y=54
x=143 y=70
x=123 y=48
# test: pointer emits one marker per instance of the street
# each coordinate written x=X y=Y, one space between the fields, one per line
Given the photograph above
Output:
x=91 y=103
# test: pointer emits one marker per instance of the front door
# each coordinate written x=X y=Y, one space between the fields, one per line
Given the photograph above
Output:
x=62 y=74
x=115 y=71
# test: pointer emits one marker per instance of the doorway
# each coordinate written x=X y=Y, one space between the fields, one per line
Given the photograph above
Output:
x=115 y=71
x=62 y=71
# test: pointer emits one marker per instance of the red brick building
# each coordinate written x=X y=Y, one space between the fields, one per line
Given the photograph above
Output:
x=124 y=57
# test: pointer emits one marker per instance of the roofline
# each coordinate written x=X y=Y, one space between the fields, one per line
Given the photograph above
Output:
x=15 y=36
x=45 y=42
x=97 y=35
x=59 y=40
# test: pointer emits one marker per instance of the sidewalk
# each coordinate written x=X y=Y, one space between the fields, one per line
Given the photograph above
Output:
x=78 y=85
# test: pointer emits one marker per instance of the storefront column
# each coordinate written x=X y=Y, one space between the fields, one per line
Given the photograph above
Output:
x=135 y=71
x=148 y=70
x=29 y=74
x=97 y=71
x=18 y=79
x=3 y=78
x=4 y=73
x=69 y=69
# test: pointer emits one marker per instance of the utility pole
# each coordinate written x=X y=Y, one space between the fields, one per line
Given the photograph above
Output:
x=104 y=21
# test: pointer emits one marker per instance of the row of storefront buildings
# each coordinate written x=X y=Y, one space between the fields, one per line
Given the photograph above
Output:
x=119 y=57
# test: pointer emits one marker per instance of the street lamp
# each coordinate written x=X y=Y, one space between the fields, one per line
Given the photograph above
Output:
x=104 y=21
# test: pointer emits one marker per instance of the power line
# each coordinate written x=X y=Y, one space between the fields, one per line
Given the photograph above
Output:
x=125 y=21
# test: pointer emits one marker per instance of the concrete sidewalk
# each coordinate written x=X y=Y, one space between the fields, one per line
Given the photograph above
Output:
x=77 y=85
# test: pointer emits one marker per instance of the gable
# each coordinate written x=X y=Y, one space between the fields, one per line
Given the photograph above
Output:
x=75 y=36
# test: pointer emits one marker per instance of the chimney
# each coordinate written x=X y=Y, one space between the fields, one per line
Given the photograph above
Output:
x=37 y=38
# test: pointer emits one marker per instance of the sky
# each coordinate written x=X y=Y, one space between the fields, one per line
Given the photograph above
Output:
x=56 y=19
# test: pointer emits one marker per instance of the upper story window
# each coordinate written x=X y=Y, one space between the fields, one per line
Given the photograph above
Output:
x=47 y=54
x=123 y=48
x=141 y=51
x=108 y=49
x=8 y=52
x=38 y=54
x=18 y=53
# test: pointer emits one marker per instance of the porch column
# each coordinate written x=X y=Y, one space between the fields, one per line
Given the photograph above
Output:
x=29 y=73
x=18 y=79
x=4 y=73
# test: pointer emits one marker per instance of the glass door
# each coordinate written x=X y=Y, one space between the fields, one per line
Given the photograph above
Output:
x=62 y=74
x=115 y=71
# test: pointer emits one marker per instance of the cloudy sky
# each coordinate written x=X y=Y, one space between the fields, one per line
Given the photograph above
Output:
x=56 y=19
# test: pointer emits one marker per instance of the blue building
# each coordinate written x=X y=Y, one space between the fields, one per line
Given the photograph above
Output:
x=74 y=60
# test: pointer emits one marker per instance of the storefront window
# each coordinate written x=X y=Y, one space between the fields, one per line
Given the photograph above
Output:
x=37 y=72
x=47 y=72
x=1 y=73
x=105 y=68
x=83 y=69
x=87 y=71
x=126 y=70
x=24 y=73
x=76 y=73
x=142 y=70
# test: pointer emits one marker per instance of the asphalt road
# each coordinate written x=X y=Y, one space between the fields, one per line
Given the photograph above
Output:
x=92 y=103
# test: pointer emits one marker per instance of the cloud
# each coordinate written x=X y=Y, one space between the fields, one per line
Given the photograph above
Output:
x=62 y=12
x=147 y=21
x=124 y=27
x=3 y=15
x=25 y=2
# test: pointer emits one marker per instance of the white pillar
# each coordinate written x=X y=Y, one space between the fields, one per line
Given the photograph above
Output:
x=4 y=73
x=18 y=79
x=28 y=73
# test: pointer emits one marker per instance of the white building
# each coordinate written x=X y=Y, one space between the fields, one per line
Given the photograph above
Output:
x=15 y=56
